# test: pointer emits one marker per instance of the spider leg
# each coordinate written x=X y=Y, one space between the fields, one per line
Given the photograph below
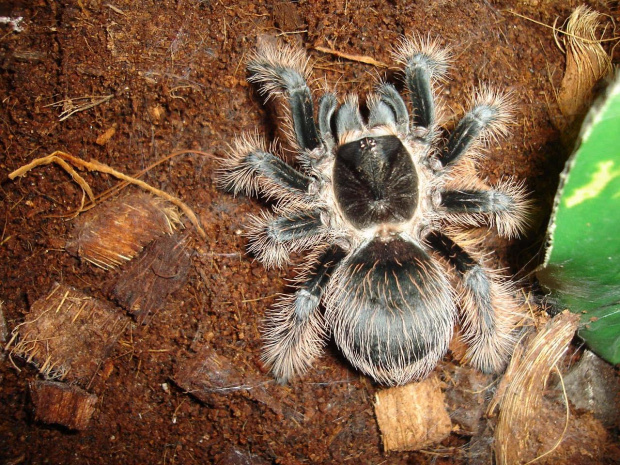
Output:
x=387 y=108
x=285 y=70
x=251 y=169
x=295 y=331
x=488 y=117
x=504 y=207
x=487 y=308
x=273 y=238
x=391 y=310
x=425 y=63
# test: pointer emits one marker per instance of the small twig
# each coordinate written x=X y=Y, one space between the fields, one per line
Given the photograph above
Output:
x=288 y=33
x=70 y=107
x=347 y=56
x=60 y=157
x=121 y=185
x=116 y=9
x=560 y=31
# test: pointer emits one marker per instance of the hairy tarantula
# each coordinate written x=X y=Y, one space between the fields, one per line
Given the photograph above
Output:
x=384 y=204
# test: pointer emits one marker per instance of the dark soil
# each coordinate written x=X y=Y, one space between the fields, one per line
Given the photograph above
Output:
x=174 y=74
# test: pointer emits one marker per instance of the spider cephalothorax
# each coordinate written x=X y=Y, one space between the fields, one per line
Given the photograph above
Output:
x=383 y=205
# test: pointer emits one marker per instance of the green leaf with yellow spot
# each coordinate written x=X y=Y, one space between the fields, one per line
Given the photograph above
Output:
x=582 y=261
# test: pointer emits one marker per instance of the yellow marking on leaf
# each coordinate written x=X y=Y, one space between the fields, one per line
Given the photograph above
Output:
x=599 y=181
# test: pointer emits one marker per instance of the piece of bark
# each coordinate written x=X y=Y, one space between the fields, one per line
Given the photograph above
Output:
x=586 y=61
x=467 y=398
x=208 y=376
x=520 y=394
x=413 y=416
x=68 y=334
x=62 y=404
x=146 y=282
x=114 y=232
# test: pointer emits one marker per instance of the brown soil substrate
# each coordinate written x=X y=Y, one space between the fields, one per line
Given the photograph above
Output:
x=162 y=76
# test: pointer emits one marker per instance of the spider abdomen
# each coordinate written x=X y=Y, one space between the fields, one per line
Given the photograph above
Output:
x=391 y=309
x=375 y=181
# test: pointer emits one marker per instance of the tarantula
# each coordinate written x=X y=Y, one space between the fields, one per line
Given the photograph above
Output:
x=384 y=204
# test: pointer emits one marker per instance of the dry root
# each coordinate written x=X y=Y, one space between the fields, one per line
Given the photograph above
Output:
x=65 y=161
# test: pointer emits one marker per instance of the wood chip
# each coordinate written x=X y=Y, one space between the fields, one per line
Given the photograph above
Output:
x=62 y=404
x=146 y=282
x=106 y=136
x=114 y=232
x=413 y=416
x=68 y=334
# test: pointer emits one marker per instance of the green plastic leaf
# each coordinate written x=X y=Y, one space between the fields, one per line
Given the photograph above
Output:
x=582 y=261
